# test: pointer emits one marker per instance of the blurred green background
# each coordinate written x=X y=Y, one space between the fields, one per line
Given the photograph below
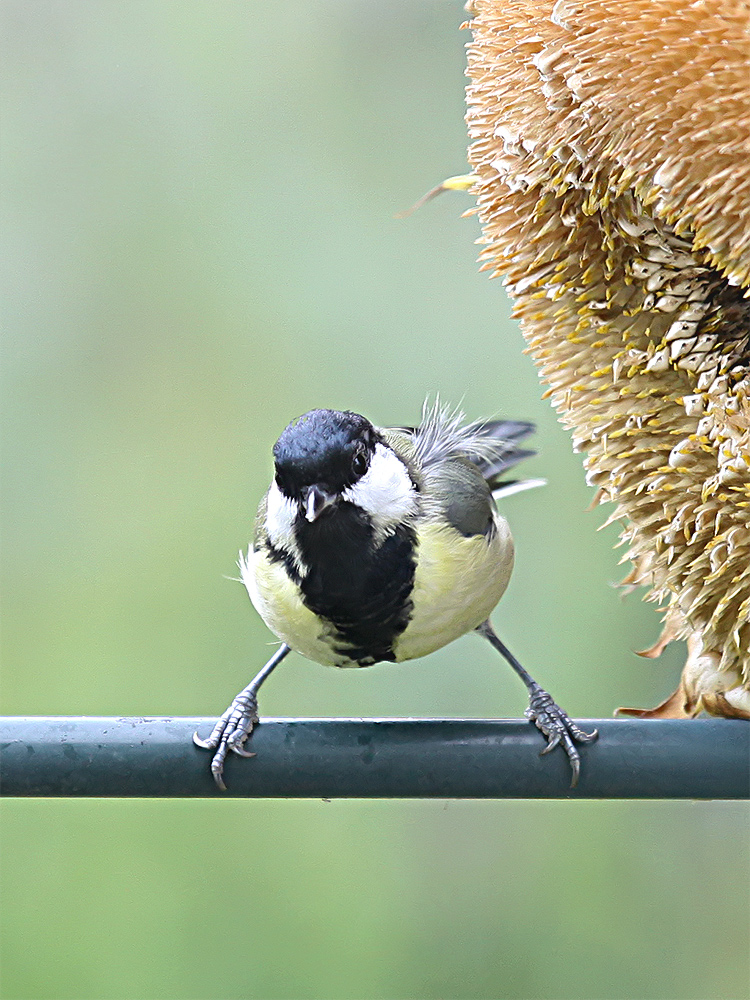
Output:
x=199 y=244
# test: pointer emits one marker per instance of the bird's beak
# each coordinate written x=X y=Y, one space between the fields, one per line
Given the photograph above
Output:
x=316 y=501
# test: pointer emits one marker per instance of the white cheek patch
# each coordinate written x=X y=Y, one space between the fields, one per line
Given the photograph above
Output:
x=280 y=516
x=385 y=492
x=281 y=513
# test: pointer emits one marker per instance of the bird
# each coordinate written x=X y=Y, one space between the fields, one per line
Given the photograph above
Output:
x=384 y=544
x=610 y=163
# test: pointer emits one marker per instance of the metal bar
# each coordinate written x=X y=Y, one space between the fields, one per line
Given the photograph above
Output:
x=383 y=758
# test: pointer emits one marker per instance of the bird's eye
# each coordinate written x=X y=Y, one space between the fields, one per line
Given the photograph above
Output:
x=359 y=463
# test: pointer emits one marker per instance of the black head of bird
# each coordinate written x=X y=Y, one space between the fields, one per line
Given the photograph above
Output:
x=320 y=456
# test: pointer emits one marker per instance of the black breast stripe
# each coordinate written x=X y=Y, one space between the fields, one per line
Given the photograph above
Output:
x=365 y=593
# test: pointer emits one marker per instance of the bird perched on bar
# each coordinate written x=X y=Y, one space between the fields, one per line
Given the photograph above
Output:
x=384 y=544
x=610 y=147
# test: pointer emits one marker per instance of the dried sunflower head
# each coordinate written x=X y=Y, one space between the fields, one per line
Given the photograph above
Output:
x=610 y=142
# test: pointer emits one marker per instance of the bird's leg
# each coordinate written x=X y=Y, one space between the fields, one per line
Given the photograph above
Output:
x=237 y=723
x=543 y=710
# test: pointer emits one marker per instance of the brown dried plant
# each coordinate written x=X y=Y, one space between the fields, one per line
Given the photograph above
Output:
x=610 y=145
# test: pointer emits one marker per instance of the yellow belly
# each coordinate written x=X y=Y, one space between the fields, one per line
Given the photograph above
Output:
x=457 y=584
x=277 y=601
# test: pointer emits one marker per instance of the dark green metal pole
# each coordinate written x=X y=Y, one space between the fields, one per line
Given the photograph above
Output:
x=389 y=758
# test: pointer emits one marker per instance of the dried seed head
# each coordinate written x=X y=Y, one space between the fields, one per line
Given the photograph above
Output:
x=611 y=144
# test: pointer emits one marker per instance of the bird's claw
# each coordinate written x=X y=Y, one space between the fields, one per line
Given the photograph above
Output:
x=558 y=727
x=230 y=733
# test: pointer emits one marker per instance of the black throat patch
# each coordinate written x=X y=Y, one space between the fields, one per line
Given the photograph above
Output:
x=363 y=591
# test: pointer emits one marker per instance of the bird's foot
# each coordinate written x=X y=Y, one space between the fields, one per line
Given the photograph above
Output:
x=558 y=727
x=230 y=733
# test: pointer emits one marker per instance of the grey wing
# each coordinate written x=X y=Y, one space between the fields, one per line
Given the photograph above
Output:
x=460 y=495
x=462 y=465
x=452 y=488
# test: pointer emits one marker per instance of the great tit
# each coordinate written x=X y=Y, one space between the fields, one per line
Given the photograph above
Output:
x=384 y=544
